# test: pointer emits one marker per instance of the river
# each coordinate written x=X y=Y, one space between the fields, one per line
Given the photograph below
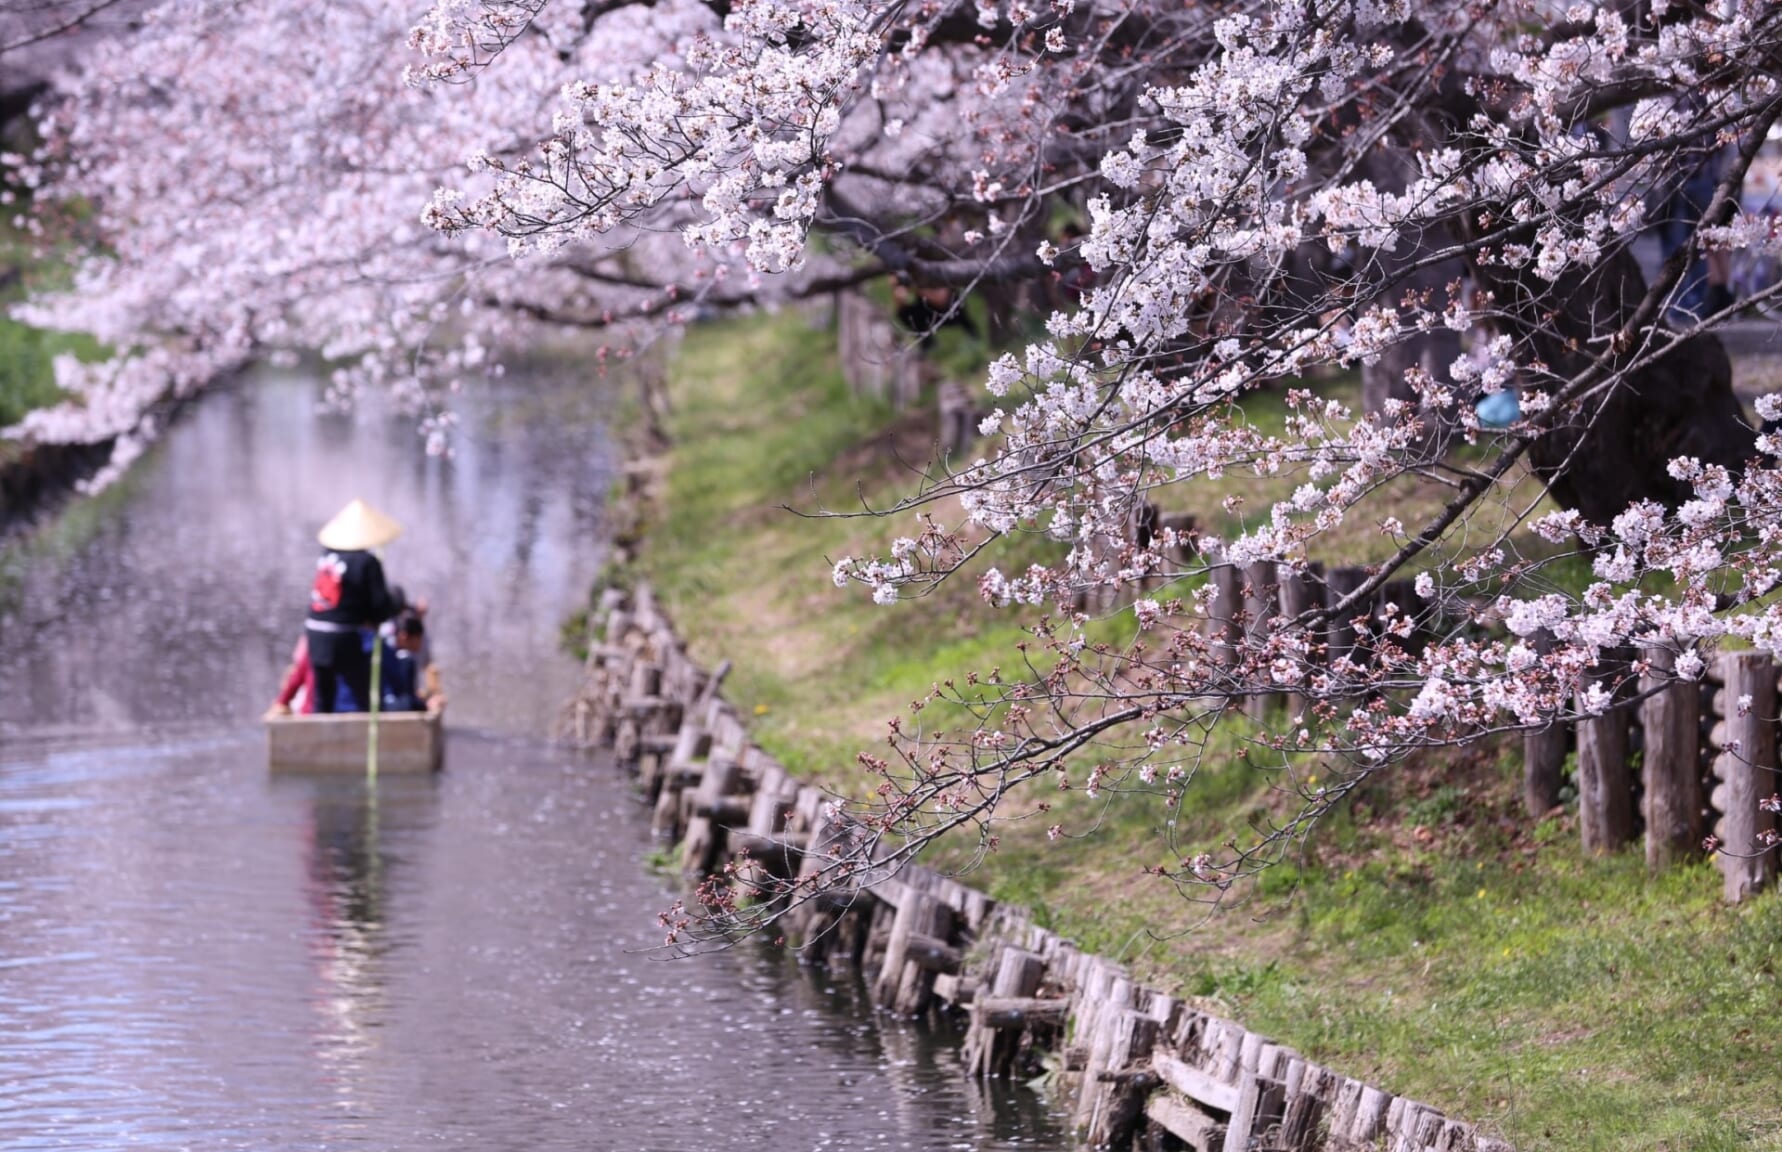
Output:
x=196 y=954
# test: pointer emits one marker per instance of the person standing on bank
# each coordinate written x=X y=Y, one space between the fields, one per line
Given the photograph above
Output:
x=349 y=593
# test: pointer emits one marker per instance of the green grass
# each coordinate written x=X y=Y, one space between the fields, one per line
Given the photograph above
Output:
x=27 y=375
x=1428 y=937
x=761 y=417
x=27 y=355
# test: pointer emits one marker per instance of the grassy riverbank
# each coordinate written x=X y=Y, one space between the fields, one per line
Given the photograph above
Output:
x=1427 y=938
x=27 y=355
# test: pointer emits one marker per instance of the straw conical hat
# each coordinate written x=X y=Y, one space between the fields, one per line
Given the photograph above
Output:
x=358 y=526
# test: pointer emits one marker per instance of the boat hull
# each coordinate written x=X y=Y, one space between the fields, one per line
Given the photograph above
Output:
x=406 y=742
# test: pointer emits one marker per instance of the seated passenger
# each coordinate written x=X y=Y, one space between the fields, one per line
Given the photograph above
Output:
x=423 y=656
x=402 y=685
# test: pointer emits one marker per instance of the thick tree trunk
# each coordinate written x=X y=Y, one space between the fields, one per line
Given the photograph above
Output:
x=1609 y=448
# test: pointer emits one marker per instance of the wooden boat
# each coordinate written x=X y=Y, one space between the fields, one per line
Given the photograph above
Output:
x=408 y=742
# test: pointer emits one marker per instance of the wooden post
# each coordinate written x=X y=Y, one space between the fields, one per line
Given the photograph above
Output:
x=1339 y=584
x=1224 y=628
x=1370 y=1114
x=1747 y=773
x=1543 y=753
x=703 y=844
x=1182 y=524
x=1605 y=783
x=1097 y=1013
x=1261 y=601
x=956 y=418
x=1300 y=593
x=1117 y=1096
x=990 y=1051
x=903 y=985
x=1671 y=717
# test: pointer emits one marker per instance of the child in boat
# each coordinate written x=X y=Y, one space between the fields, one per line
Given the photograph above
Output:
x=403 y=687
x=298 y=691
x=299 y=688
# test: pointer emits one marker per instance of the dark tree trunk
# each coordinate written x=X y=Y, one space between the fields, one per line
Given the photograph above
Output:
x=1610 y=448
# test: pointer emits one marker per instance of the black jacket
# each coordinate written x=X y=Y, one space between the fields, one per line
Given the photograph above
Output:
x=349 y=590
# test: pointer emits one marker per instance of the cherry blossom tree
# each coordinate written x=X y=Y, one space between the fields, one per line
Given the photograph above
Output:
x=252 y=177
x=1211 y=201
x=1268 y=188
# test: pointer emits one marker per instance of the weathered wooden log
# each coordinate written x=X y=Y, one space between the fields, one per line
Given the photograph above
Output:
x=772 y=800
x=932 y=954
x=710 y=685
x=904 y=986
x=1118 y=1102
x=701 y=846
x=878 y=934
x=717 y=782
x=958 y=418
x=813 y=923
x=1543 y=753
x=626 y=734
x=1095 y=1018
x=1224 y=621
x=728 y=811
x=1605 y=782
x=1260 y=1111
x=1242 y=1125
x=1185 y=1122
x=1370 y=1114
x=1018 y=1011
x=1106 y=987
x=959 y=990
x=1225 y=1051
x=1199 y=1086
x=1748 y=772
x=1344 y=1105
x=691 y=744
x=1342 y=641
x=1302 y=592
x=1262 y=598
x=1183 y=526
x=781 y=854
x=991 y=1047
x=665 y=821
x=1670 y=761
x=1299 y=1126
x=646 y=681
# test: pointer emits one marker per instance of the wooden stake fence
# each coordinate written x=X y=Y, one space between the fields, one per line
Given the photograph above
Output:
x=1138 y=1068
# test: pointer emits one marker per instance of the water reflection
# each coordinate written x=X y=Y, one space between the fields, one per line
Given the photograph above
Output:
x=344 y=890
x=195 y=954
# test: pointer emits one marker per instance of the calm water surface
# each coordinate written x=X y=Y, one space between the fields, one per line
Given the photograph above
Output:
x=194 y=954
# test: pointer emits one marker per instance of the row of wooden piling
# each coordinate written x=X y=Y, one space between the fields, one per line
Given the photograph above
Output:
x=1136 y=1067
x=1669 y=762
x=1706 y=755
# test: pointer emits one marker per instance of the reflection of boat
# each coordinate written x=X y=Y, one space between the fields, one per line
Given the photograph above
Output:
x=406 y=742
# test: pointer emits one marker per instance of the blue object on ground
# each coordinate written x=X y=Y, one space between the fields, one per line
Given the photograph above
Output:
x=1499 y=409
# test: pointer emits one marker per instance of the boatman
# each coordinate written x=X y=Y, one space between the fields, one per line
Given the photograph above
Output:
x=349 y=594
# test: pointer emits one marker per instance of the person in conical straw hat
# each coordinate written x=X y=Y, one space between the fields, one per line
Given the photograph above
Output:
x=349 y=593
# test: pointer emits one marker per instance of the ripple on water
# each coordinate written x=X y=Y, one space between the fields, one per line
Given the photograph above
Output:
x=195 y=955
